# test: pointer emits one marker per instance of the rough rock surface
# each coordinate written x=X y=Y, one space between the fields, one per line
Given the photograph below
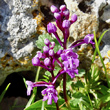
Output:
x=17 y=36
x=21 y=22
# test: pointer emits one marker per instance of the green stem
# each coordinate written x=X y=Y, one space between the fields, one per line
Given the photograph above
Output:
x=98 y=51
x=64 y=91
x=98 y=44
x=43 y=102
x=32 y=99
x=36 y=80
x=87 y=93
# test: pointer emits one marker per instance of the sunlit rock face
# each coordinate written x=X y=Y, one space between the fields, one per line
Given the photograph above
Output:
x=18 y=31
x=21 y=21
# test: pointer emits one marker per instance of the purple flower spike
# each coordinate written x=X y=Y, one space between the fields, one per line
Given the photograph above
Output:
x=46 y=49
x=30 y=87
x=63 y=7
x=73 y=18
x=66 y=24
x=51 y=28
x=47 y=62
x=54 y=9
x=49 y=94
x=47 y=42
x=35 y=61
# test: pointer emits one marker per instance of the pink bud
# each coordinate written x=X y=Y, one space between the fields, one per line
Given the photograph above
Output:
x=57 y=16
x=47 y=42
x=46 y=49
x=66 y=24
x=63 y=7
x=73 y=18
x=54 y=9
x=51 y=52
x=35 y=61
x=47 y=61
x=51 y=28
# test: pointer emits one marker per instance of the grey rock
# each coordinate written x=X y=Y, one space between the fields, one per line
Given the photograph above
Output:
x=16 y=29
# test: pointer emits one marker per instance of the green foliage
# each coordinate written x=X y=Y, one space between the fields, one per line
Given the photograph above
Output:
x=85 y=92
x=3 y=93
x=37 y=105
x=40 y=42
x=57 y=68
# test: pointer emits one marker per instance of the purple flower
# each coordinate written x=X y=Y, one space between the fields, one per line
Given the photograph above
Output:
x=47 y=42
x=51 y=28
x=52 y=45
x=66 y=24
x=47 y=61
x=46 y=49
x=66 y=13
x=35 y=61
x=70 y=62
x=54 y=9
x=57 y=16
x=30 y=87
x=50 y=93
x=88 y=39
x=39 y=54
x=63 y=7
x=73 y=18
x=51 y=52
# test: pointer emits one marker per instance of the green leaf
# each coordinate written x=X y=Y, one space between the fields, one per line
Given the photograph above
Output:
x=40 y=42
x=57 y=68
x=103 y=89
x=3 y=93
x=48 y=73
x=105 y=98
x=79 y=84
x=38 y=105
x=78 y=98
x=81 y=73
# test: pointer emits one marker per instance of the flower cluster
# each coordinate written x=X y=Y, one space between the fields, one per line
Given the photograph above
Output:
x=69 y=60
x=49 y=93
x=62 y=21
x=48 y=55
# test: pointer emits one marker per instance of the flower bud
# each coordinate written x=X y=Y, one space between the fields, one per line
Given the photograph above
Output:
x=59 y=52
x=47 y=42
x=39 y=54
x=54 y=9
x=46 y=49
x=66 y=24
x=63 y=7
x=66 y=13
x=47 y=61
x=88 y=38
x=51 y=28
x=35 y=61
x=57 y=16
x=73 y=18
x=51 y=52
x=52 y=45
